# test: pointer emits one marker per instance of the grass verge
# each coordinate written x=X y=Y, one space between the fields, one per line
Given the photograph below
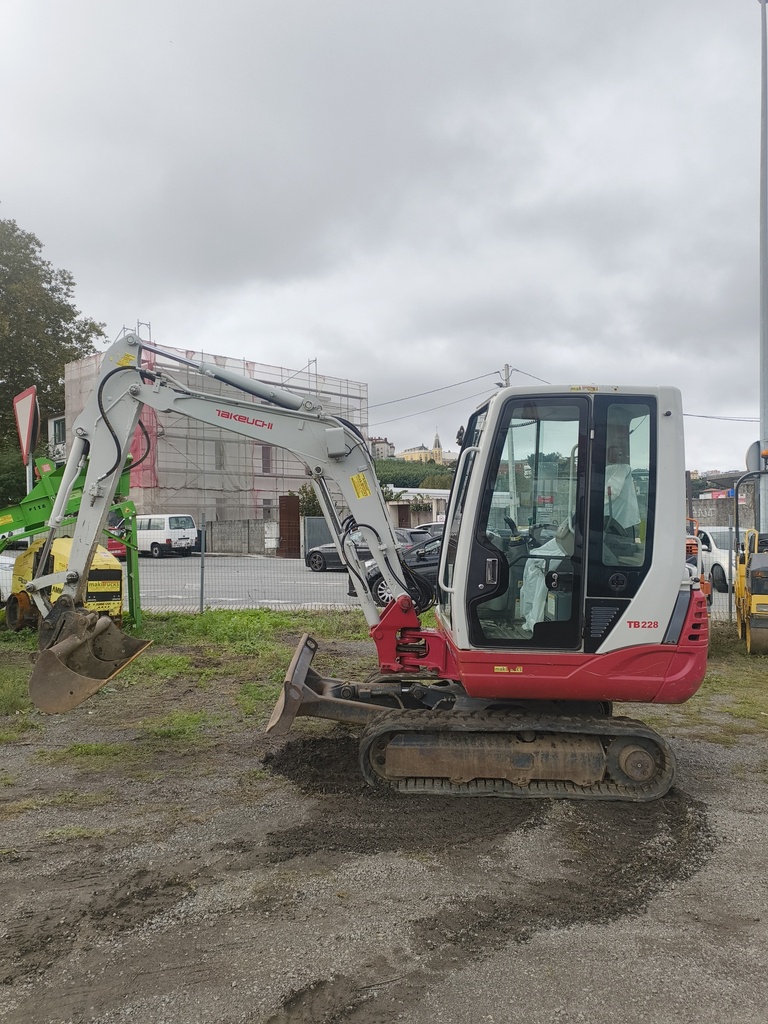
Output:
x=242 y=656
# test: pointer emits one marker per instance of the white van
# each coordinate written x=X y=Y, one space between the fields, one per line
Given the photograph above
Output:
x=160 y=535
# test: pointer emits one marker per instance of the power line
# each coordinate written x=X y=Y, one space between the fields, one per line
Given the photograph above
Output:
x=470 y=380
x=516 y=369
x=512 y=369
x=421 y=412
x=434 y=391
x=729 y=419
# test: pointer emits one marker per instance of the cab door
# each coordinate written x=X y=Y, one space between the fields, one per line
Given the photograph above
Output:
x=526 y=568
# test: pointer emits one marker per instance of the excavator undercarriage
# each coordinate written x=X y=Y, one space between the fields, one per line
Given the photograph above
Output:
x=425 y=736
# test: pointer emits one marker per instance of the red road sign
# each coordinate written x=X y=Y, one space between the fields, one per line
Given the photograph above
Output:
x=27 y=412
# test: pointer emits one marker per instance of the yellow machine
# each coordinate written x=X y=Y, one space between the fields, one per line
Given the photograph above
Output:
x=750 y=591
x=104 y=589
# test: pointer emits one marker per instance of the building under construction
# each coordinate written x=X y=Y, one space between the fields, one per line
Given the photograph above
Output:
x=205 y=471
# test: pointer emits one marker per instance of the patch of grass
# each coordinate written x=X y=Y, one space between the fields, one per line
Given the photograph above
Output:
x=13 y=689
x=68 y=798
x=138 y=759
x=338 y=625
x=205 y=677
x=248 y=631
x=728 y=734
x=179 y=725
x=23 y=641
x=732 y=701
x=92 y=756
x=428 y=619
x=14 y=728
x=257 y=699
x=74 y=798
x=70 y=832
x=7 y=780
x=355 y=667
x=153 y=668
x=736 y=681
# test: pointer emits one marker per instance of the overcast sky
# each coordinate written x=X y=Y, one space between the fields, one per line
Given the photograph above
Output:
x=413 y=192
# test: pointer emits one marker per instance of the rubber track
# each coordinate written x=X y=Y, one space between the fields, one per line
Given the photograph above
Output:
x=454 y=721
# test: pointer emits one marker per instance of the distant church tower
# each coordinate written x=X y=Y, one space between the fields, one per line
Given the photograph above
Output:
x=437 y=449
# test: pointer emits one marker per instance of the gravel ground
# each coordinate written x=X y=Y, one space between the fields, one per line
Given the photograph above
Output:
x=259 y=881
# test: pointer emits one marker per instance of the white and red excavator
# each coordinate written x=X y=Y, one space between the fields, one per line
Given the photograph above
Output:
x=562 y=585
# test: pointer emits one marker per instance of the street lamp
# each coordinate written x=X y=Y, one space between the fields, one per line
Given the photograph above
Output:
x=762 y=512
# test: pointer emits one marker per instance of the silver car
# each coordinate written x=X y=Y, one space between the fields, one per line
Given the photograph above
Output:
x=718 y=555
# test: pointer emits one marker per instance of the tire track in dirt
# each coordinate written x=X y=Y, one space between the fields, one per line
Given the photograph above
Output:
x=38 y=941
x=485 y=891
x=609 y=860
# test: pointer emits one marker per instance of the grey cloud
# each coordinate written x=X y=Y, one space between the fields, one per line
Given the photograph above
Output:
x=437 y=186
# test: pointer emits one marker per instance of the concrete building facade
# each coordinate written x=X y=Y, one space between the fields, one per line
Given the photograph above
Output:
x=381 y=448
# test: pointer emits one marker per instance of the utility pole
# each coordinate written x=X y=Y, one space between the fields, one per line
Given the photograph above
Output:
x=762 y=511
x=514 y=502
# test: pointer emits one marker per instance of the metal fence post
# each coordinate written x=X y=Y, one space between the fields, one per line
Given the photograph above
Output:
x=732 y=554
x=202 y=564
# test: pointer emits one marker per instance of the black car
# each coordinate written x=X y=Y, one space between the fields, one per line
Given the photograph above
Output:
x=423 y=558
x=325 y=556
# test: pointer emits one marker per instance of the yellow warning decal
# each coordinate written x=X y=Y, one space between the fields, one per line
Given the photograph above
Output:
x=507 y=668
x=5 y=519
x=360 y=484
x=127 y=360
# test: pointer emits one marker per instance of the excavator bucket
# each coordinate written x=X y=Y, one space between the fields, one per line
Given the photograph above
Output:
x=88 y=651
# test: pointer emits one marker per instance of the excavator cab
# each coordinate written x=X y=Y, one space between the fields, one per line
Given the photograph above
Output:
x=552 y=525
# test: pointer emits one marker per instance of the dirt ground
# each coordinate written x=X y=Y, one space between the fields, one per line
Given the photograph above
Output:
x=241 y=879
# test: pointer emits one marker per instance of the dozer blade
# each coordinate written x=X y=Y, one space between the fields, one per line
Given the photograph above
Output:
x=307 y=693
x=77 y=666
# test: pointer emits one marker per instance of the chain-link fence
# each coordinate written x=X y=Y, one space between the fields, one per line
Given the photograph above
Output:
x=721 y=609
x=213 y=580
x=217 y=580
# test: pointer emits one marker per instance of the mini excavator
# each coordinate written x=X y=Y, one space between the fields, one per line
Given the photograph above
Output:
x=562 y=585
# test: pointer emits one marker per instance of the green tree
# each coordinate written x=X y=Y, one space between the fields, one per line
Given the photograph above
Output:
x=13 y=475
x=308 y=503
x=40 y=327
x=697 y=486
x=438 y=479
x=400 y=473
x=389 y=494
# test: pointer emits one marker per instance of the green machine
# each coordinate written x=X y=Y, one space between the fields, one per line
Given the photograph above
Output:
x=30 y=518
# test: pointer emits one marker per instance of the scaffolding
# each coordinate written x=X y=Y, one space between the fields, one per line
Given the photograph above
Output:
x=206 y=471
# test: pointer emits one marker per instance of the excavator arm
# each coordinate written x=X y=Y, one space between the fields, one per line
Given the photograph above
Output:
x=79 y=652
